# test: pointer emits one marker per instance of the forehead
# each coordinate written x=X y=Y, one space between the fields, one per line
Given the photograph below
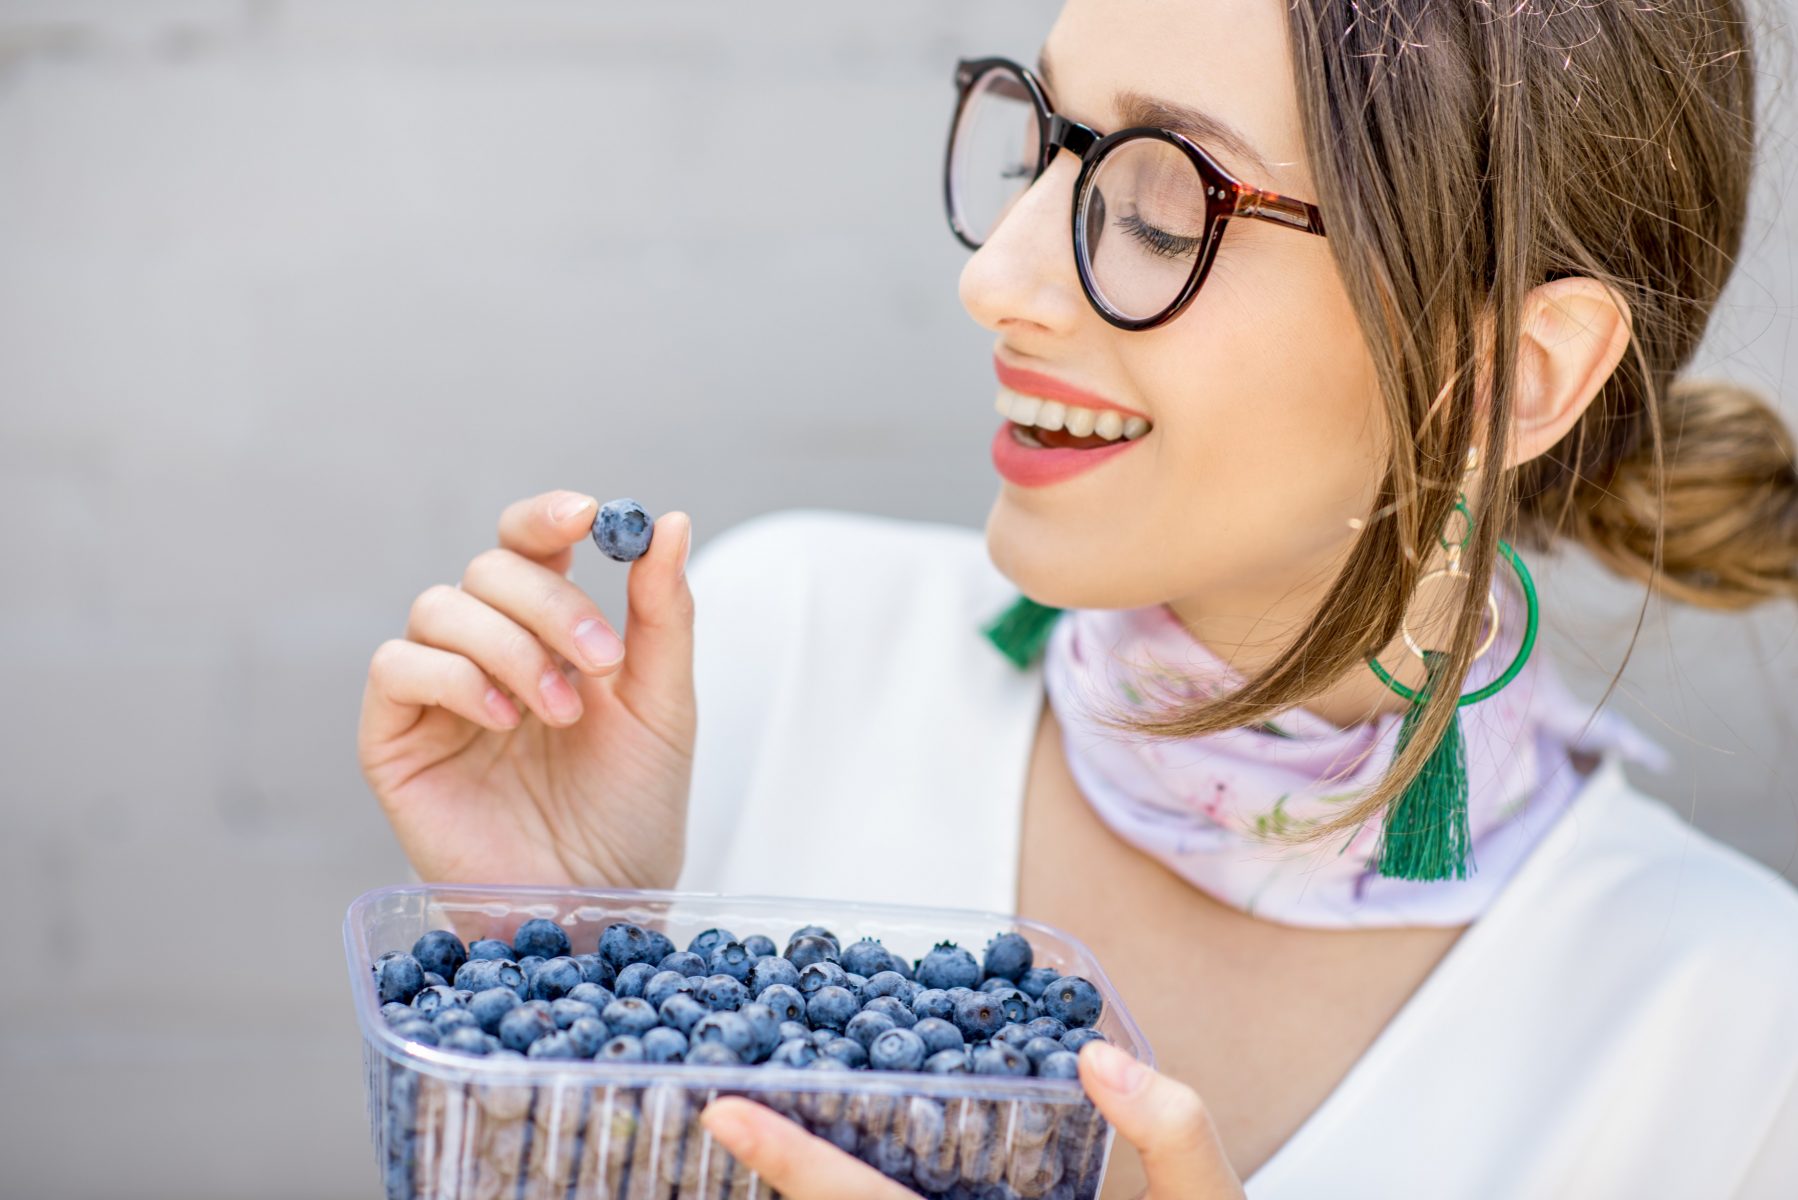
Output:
x=1227 y=58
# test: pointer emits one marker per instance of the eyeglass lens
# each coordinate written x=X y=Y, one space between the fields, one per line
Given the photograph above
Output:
x=1143 y=216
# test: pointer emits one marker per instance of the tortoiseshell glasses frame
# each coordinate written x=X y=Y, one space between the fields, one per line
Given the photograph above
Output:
x=1225 y=195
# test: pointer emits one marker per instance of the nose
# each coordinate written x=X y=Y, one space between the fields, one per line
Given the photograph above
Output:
x=1025 y=271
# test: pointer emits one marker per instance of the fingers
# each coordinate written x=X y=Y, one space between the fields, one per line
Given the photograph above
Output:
x=546 y=527
x=796 y=1164
x=543 y=601
x=1165 y=1120
x=659 y=663
x=404 y=678
x=451 y=619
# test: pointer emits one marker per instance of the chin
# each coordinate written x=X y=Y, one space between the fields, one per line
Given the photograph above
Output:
x=1054 y=566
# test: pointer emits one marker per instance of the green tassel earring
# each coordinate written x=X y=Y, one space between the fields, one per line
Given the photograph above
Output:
x=1022 y=630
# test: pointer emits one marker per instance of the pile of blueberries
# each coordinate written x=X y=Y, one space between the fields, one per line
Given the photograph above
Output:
x=724 y=1002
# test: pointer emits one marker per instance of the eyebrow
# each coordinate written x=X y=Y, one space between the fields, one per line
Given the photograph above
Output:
x=1210 y=132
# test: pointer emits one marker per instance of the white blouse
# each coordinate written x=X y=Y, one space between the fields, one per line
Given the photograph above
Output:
x=1621 y=1021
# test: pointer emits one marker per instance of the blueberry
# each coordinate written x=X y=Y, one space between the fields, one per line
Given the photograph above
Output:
x=999 y=1058
x=429 y=999
x=544 y=939
x=1007 y=956
x=897 y=1050
x=802 y=952
x=846 y=1050
x=768 y=970
x=623 y=1048
x=993 y=984
x=1015 y=1003
x=566 y=1012
x=948 y=1062
x=893 y=1007
x=713 y=1054
x=489 y=1007
x=417 y=1030
x=623 y=529
x=731 y=959
x=623 y=943
x=1013 y=1034
x=1073 y=1001
x=1047 y=1027
x=704 y=943
x=664 y=1045
x=796 y=1052
x=394 y=1012
x=522 y=1026
x=555 y=979
x=1059 y=1065
x=939 y=1035
x=592 y=993
x=433 y=979
x=489 y=948
x=595 y=969
x=948 y=965
x=630 y=1014
x=529 y=964
x=866 y=957
x=728 y=1028
x=821 y=1037
x=664 y=984
x=887 y=983
x=660 y=944
x=552 y=1045
x=1039 y=1048
x=1073 y=1039
x=399 y=979
x=681 y=1012
x=686 y=962
x=793 y=1029
x=821 y=974
x=464 y=1040
x=446 y=1020
x=632 y=980
x=787 y=1003
x=721 y=993
x=855 y=983
x=477 y=974
x=1036 y=980
x=766 y=1028
x=587 y=1035
x=933 y=1002
x=817 y=931
x=760 y=945
x=830 y=1007
x=864 y=1027
x=978 y=1016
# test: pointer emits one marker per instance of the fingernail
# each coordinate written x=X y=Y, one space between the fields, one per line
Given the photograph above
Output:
x=1117 y=1070
x=686 y=546
x=568 y=507
x=732 y=1128
x=502 y=709
x=558 y=697
x=599 y=645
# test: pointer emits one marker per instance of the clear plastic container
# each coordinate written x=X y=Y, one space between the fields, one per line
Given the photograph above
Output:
x=447 y=1125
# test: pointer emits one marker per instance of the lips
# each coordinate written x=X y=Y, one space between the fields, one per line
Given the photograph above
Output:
x=1034 y=383
x=1029 y=467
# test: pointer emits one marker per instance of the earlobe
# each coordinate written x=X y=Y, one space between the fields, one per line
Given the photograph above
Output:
x=1574 y=333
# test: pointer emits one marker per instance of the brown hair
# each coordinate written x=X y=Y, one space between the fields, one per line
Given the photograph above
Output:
x=1464 y=153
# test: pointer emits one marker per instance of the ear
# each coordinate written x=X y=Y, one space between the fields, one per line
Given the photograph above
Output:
x=1573 y=333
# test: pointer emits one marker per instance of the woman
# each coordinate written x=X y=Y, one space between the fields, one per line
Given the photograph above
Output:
x=1383 y=943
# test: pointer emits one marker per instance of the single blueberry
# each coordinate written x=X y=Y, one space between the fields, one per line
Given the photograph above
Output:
x=766 y=1027
x=830 y=1007
x=1015 y=1003
x=727 y=1027
x=623 y=943
x=664 y=1045
x=553 y=1045
x=795 y=1052
x=817 y=931
x=821 y=974
x=464 y=1040
x=1012 y=1033
x=999 y=1058
x=623 y=1048
x=444 y=1020
x=1059 y=1065
x=794 y=1029
x=887 y=983
x=566 y=1012
x=433 y=979
x=400 y=979
x=948 y=965
x=948 y=1062
x=713 y=1054
x=489 y=1007
x=393 y=1011
x=933 y=1002
x=431 y=998
x=1073 y=1001
x=594 y=994
x=664 y=984
x=821 y=1036
x=417 y=1030
x=555 y=979
x=529 y=964
x=630 y=1014
x=1007 y=956
x=1036 y=980
x=633 y=978
x=866 y=957
x=731 y=959
x=682 y=1011
x=623 y=529
x=855 y=983
x=993 y=984
x=846 y=1050
x=1073 y=1039
x=769 y=970
x=595 y=969
x=722 y=993
x=522 y=1026
x=1039 y=1048
x=587 y=1035
x=802 y=952
x=544 y=939
x=489 y=948
x=978 y=1016
x=660 y=945
x=760 y=945
x=897 y=1050
x=1047 y=1027
x=864 y=1027
x=704 y=943
x=686 y=962
x=939 y=1034
x=893 y=1007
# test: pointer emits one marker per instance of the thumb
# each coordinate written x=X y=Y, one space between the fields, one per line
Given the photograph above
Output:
x=658 y=637
x=1165 y=1120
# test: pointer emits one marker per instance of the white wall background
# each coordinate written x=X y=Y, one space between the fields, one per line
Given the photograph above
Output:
x=295 y=296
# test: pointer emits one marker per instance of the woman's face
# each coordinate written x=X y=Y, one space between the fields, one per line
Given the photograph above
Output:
x=1266 y=435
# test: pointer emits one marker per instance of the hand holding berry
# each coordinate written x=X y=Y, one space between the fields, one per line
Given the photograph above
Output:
x=508 y=734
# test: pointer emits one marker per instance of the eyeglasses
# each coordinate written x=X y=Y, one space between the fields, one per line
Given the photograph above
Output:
x=1166 y=197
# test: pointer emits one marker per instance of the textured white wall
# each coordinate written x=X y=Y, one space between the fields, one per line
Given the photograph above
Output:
x=295 y=296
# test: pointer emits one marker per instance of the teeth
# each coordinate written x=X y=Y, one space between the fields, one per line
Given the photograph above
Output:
x=1053 y=414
